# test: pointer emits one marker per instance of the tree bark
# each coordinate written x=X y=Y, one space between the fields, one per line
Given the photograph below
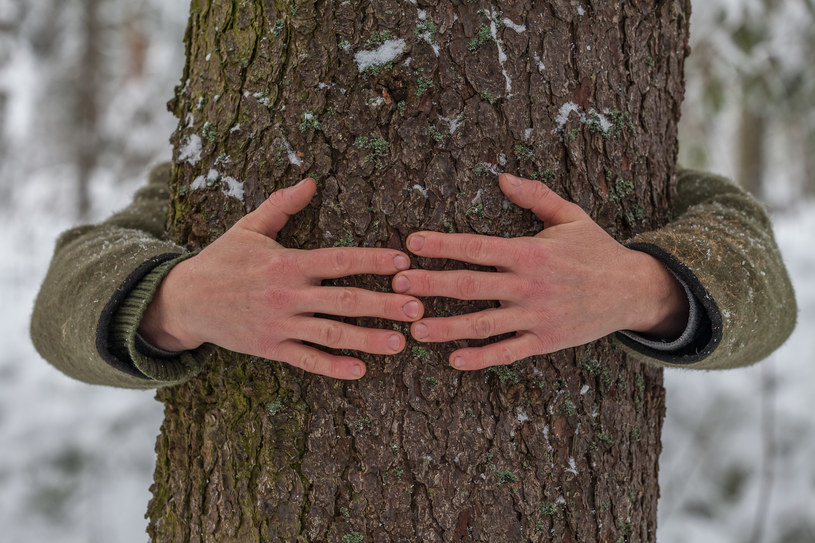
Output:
x=553 y=448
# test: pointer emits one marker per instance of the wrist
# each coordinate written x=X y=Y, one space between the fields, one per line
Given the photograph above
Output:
x=162 y=324
x=661 y=305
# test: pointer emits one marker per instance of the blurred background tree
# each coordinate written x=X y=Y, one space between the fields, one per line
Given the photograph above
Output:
x=83 y=84
x=749 y=105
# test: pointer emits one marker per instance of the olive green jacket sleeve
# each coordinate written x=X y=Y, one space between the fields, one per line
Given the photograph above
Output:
x=101 y=279
x=721 y=246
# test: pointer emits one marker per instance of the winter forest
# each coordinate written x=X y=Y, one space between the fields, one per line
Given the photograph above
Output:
x=83 y=92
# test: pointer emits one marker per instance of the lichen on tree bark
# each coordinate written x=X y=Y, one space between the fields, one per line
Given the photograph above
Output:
x=553 y=448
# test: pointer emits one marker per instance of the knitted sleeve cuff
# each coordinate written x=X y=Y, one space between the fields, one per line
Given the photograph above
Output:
x=163 y=367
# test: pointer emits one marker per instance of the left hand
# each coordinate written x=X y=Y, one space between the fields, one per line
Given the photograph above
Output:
x=570 y=284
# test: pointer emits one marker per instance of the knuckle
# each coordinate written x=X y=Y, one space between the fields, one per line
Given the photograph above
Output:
x=281 y=262
x=309 y=362
x=341 y=262
x=475 y=249
x=483 y=326
x=347 y=301
x=467 y=288
x=424 y=281
x=275 y=298
x=533 y=288
x=541 y=191
x=505 y=356
x=330 y=335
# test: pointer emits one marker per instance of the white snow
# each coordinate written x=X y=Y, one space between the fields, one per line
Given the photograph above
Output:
x=516 y=27
x=229 y=185
x=541 y=67
x=190 y=150
x=453 y=123
x=233 y=187
x=293 y=158
x=383 y=54
x=502 y=57
x=592 y=115
x=563 y=114
x=421 y=189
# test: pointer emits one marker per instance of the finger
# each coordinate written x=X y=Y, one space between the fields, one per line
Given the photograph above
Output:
x=459 y=284
x=316 y=361
x=540 y=199
x=495 y=354
x=274 y=212
x=479 y=325
x=472 y=248
x=358 y=302
x=340 y=335
x=335 y=262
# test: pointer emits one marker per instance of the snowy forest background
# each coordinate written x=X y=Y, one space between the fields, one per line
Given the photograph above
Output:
x=83 y=85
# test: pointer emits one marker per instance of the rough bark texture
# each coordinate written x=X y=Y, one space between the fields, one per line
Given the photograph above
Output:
x=552 y=448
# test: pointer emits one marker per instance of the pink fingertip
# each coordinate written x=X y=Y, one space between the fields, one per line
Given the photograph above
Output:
x=394 y=342
x=411 y=309
x=416 y=243
x=458 y=363
x=401 y=262
x=401 y=284
x=356 y=370
x=420 y=331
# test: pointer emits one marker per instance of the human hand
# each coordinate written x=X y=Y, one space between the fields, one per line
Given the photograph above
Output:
x=570 y=284
x=247 y=293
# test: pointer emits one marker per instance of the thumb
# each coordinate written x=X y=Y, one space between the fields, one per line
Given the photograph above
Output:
x=540 y=199
x=274 y=212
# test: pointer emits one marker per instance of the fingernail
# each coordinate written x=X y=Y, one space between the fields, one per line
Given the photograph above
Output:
x=401 y=284
x=356 y=370
x=411 y=309
x=394 y=342
x=301 y=182
x=420 y=331
x=416 y=243
x=401 y=262
x=514 y=181
x=458 y=363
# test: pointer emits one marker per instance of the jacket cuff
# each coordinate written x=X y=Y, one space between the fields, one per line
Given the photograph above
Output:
x=704 y=330
x=163 y=367
x=687 y=337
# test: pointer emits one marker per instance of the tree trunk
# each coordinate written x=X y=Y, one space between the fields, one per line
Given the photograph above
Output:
x=87 y=104
x=553 y=448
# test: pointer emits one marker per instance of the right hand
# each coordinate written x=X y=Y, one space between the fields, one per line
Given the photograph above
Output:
x=247 y=293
